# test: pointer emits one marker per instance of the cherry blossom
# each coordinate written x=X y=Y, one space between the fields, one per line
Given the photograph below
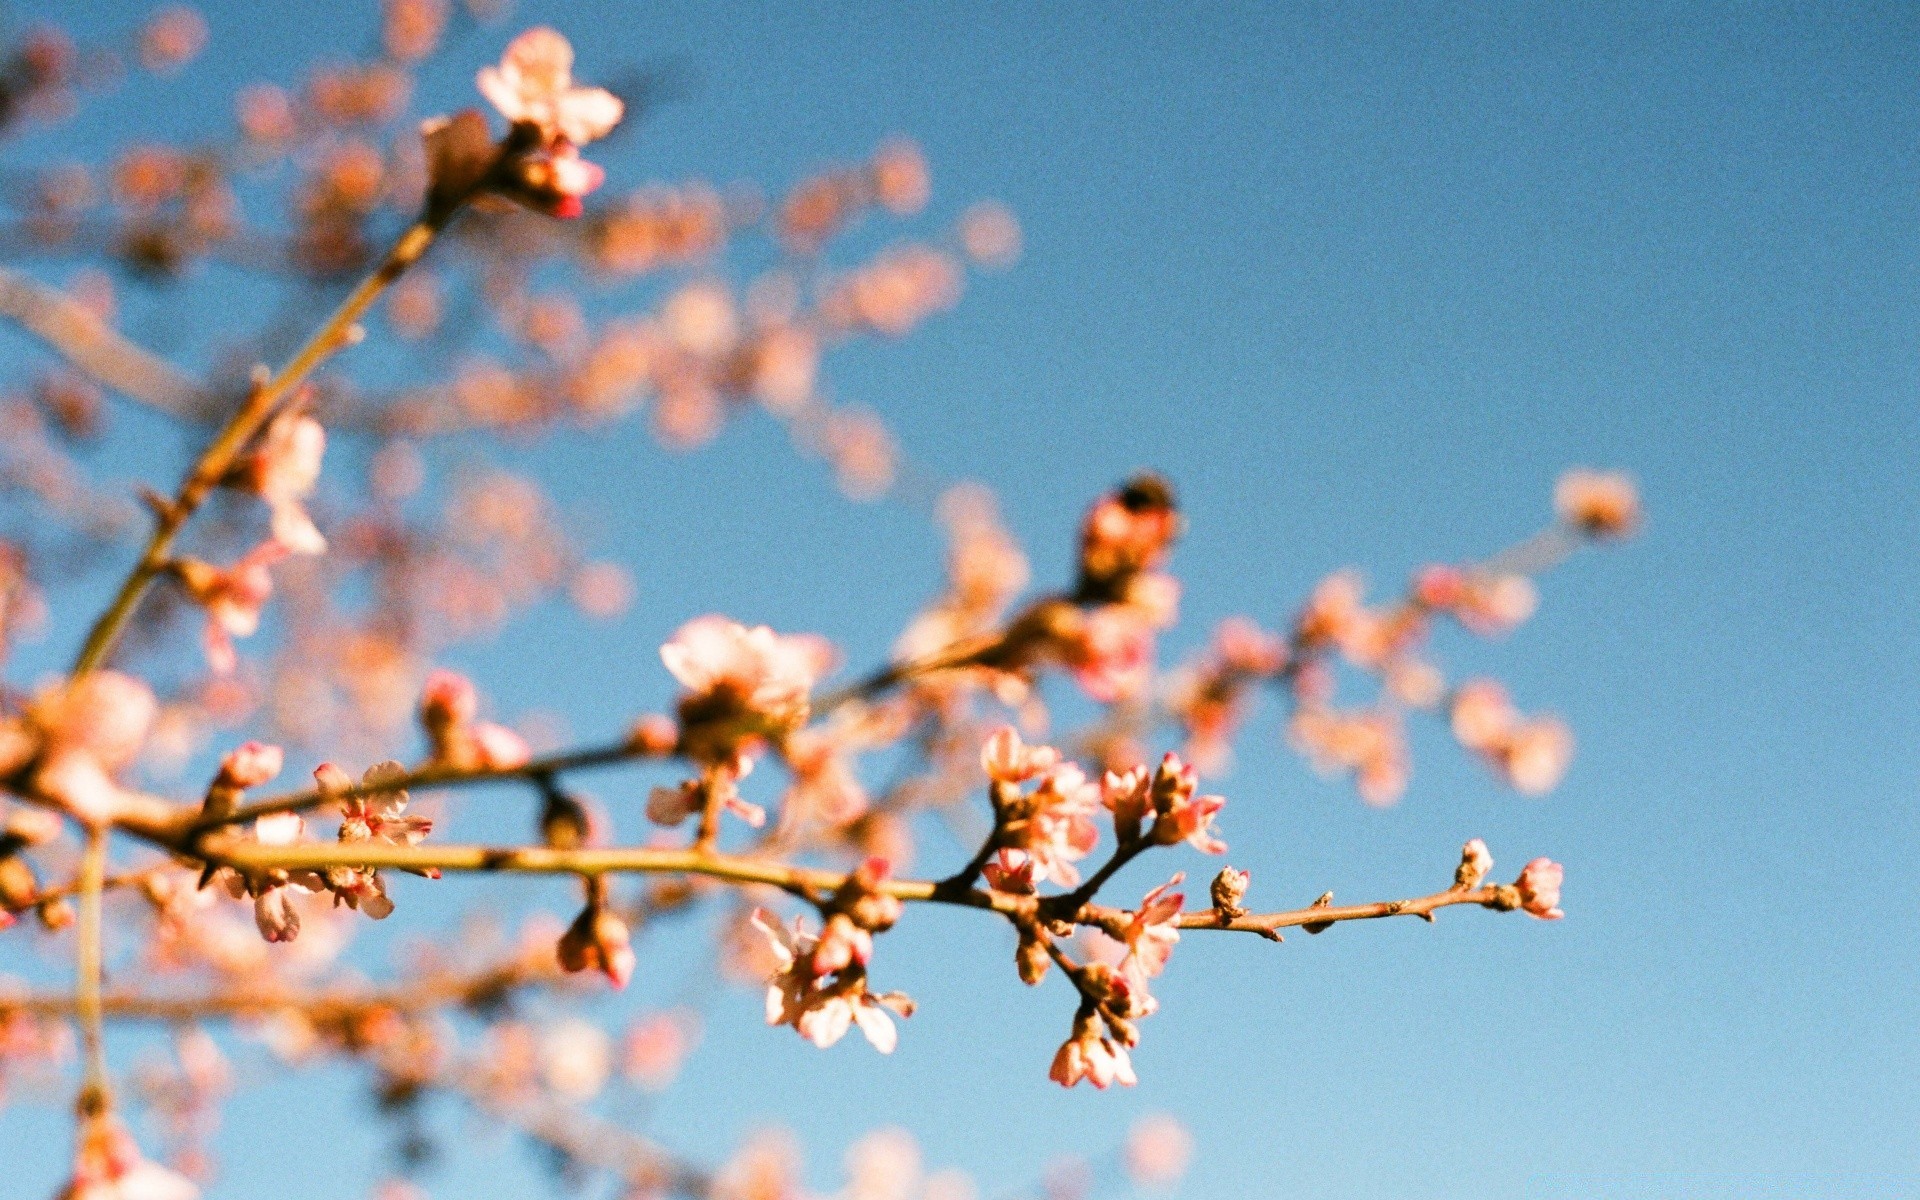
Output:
x=741 y=683
x=233 y=598
x=1152 y=932
x=378 y=815
x=1094 y=1057
x=82 y=733
x=283 y=471
x=108 y=1165
x=1006 y=759
x=534 y=84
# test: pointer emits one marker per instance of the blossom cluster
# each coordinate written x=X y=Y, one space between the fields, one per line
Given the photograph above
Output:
x=325 y=592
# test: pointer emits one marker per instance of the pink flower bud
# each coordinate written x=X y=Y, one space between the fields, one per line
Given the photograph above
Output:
x=1539 y=888
x=253 y=764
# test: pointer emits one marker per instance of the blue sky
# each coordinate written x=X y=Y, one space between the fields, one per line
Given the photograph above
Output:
x=1362 y=280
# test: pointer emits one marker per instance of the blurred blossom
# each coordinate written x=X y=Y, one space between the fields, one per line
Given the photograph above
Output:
x=656 y=1046
x=1158 y=1151
x=172 y=38
x=990 y=234
x=602 y=589
x=576 y=1059
x=1602 y=504
x=883 y=1165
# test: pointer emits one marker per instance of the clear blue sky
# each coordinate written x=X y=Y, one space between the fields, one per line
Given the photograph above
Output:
x=1363 y=279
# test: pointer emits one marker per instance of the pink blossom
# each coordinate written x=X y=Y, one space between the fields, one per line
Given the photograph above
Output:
x=1539 y=888
x=233 y=598
x=89 y=729
x=251 y=765
x=819 y=1009
x=1097 y=1059
x=841 y=944
x=108 y=1165
x=1061 y=830
x=1006 y=759
x=769 y=672
x=534 y=84
x=1152 y=933
x=379 y=815
x=1010 y=870
x=1179 y=814
x=284 y=471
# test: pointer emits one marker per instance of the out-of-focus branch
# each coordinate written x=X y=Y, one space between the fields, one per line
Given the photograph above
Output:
x=213 y=464
x=584 y=1139
x=96 y=348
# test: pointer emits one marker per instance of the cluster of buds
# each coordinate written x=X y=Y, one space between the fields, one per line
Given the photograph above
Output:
x=743 y=686
x=1097 y=1049
x=539 y=163
x=1042 y=833
x=1488 y=603
x=819 y=985
x=377 y=813
x=449 y=706
x=1530 y=753
x=1169 y=795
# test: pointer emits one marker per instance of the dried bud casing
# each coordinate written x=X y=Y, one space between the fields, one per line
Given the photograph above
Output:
x=1475 y=861
x=1032 y=958
x=1228 y=890
x=564 y=823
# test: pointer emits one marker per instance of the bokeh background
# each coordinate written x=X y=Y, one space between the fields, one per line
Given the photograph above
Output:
x=1362 y=279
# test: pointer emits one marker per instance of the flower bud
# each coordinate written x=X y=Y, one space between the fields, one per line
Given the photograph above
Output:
x=861 y=897
x=1539 y=889
x=598 y=940
x=1475 y=861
